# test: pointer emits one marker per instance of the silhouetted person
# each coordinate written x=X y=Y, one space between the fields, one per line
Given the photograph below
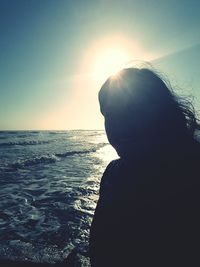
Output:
x=149 y=205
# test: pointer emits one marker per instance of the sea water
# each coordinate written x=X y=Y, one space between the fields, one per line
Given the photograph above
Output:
x=49 y=185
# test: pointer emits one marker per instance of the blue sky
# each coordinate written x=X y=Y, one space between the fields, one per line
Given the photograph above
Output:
x=47 y=53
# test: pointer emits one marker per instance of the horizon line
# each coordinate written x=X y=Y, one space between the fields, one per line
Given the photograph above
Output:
x=40 y=130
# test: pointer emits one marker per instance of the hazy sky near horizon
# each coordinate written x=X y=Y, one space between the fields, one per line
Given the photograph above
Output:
x=49 y=50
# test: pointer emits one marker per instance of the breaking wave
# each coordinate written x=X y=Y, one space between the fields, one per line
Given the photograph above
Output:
x=48 y=159
x=23 y=143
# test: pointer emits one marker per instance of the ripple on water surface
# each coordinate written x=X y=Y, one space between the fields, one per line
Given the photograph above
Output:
x=47 y=207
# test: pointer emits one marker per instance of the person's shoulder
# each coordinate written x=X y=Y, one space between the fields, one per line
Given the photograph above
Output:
x=113 y=164
x=110 y=171
x=113 y=167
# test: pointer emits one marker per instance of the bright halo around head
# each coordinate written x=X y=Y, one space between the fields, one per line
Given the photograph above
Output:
x=109 y=63
x=106 y=57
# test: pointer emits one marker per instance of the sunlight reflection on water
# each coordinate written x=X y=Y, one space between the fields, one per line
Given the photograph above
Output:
x=107 y=153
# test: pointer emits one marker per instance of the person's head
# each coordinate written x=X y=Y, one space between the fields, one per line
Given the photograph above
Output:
x=139 y=108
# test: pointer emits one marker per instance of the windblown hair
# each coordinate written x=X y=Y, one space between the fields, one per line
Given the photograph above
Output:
x=187 y=109
x=142 y=92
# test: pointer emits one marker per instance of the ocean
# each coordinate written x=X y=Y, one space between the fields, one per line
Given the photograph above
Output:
x=49 y=185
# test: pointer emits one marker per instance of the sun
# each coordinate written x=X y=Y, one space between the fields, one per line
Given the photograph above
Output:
x=105 y=57
x=109 y=62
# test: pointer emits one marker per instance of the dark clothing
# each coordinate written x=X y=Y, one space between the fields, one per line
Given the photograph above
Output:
x=148 y=213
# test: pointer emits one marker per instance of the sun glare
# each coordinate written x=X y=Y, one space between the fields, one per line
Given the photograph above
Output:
x=107 y=56
x=109 y=62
